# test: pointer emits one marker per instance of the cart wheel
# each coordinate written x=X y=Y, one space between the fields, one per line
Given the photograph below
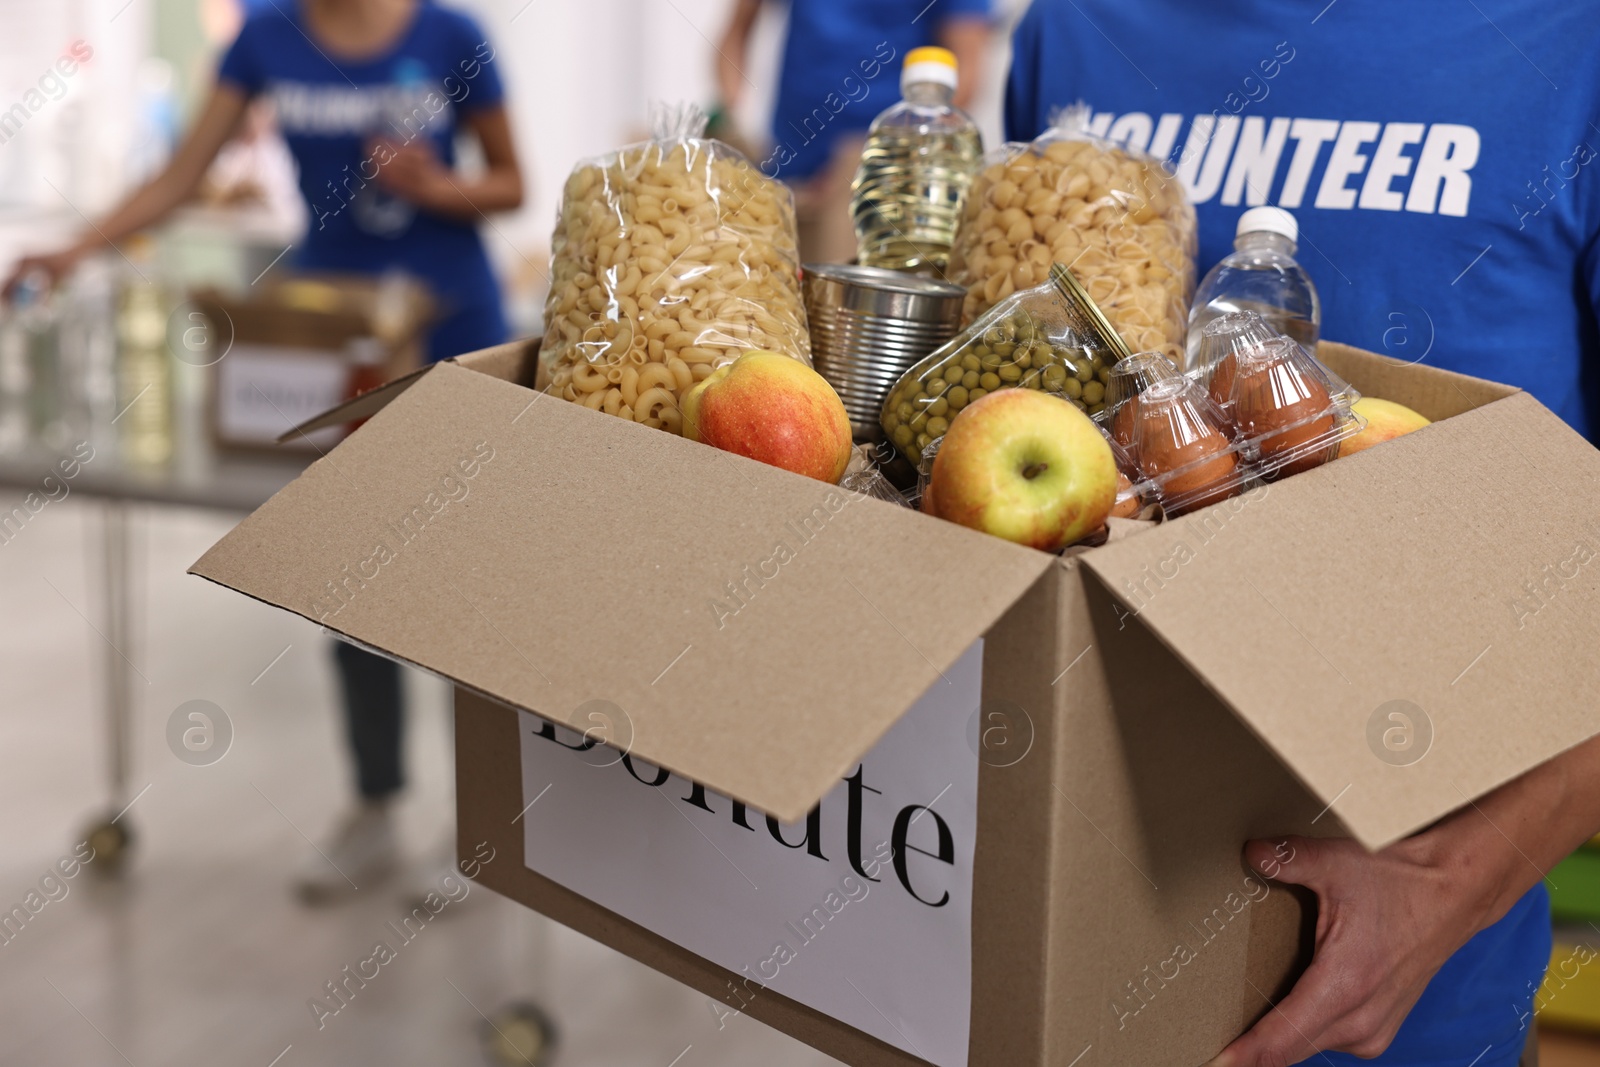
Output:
x=111 y=841
x=518 y=1035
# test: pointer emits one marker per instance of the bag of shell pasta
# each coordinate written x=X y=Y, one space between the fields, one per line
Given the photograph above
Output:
x=1119 y=219
x=670 y=258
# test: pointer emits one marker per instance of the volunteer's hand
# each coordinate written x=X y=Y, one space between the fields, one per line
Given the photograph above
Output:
x=1386 y=923
x=414 y=172
x=54 y=267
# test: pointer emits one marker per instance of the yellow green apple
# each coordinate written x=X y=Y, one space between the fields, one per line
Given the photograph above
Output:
x=1026 y=466
x=1385 y=420
x=775 y=409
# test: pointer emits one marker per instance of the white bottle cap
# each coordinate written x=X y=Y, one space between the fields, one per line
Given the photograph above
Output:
x=929 y=64
x=1268 y=220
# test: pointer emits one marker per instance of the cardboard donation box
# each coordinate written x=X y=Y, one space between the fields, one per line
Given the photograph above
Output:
x=289 y=348
x=914 y=794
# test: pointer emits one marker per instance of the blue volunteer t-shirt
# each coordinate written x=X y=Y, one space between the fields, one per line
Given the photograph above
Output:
x=1440 y=159
x=841 y=69
x=332 y=111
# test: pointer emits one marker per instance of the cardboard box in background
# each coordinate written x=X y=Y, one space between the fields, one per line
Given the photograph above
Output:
x=287 y=356
x=1357 y=650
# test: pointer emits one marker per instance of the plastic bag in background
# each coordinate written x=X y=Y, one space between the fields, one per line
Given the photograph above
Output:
x=1119 y=219
x=670 y=258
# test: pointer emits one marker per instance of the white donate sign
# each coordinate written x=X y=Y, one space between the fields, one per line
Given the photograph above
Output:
x=863 y=911
x=264 y=390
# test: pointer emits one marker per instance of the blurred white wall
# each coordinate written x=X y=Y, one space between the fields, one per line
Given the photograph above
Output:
x=71 y=153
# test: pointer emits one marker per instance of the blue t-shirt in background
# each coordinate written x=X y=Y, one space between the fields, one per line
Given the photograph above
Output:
x=841 y=69
x=332 y=110
x=1440 y=158
x=1448 y=193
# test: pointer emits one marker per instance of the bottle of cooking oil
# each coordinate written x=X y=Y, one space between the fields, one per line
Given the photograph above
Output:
x=144 y=371
x=919 y=159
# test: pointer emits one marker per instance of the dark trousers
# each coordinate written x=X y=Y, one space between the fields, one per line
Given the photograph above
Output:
x=373 y=720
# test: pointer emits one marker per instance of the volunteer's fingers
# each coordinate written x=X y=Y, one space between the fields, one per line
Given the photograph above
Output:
x=1343 y=1001
x=1324 y=1012
x=1314 y=1017
x=1291 y=860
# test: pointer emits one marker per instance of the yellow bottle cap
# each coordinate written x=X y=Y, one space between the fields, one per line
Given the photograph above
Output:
x=929 y=65
x=931 y=54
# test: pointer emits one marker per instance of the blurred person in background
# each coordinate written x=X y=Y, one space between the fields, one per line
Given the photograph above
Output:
x=370 y=96
x=840 y=69
x=1441 y=186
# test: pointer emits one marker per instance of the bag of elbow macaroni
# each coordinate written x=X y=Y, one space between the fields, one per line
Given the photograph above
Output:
x=670 y=258
x=1119 y=219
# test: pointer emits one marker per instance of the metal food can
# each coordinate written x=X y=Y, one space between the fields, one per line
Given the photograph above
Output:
x=869 y=326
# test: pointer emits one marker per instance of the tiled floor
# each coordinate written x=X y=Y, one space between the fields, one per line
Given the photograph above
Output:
x=200 y=956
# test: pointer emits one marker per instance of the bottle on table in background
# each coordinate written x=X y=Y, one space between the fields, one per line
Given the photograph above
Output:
x=919 y=159
x=51 y=388
x=35 y=387
x=1260 y=275
x=16 y=371
x=367 y=360
x=144 y=372
x=89 y=350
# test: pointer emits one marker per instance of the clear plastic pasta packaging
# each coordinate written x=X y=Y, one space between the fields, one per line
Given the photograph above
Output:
x=1051 y=337
x=1119 y=219
x=670 y=258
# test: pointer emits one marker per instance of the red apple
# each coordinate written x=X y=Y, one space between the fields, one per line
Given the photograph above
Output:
x=775 y=409
x=1025 y=466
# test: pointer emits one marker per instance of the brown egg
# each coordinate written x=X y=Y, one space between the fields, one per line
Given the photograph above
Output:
x=1286 y=408
x=1221 y=387
x=1216 y=471
x=1123 y=421
x=1202 y=460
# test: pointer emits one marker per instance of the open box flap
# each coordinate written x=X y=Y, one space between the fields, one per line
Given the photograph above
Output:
x=502 y=361
x=1406 y=628
x=751 y=629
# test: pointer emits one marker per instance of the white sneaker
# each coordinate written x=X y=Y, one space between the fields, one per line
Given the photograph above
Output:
x=361 y=853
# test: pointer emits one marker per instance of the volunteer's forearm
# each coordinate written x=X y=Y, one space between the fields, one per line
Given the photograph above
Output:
x=732 y=49
x=469 y=199
x=147 y=206
x=740 y=23
x=1516 y=834
x=968 y=40
x=177 y=181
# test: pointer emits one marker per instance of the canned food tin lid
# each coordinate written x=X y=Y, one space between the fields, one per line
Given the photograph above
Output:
x=1089 y=316
x=883 y=279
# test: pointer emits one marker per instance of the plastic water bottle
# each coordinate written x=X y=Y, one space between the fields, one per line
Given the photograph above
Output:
x=1261 y=275
x=919 y=159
